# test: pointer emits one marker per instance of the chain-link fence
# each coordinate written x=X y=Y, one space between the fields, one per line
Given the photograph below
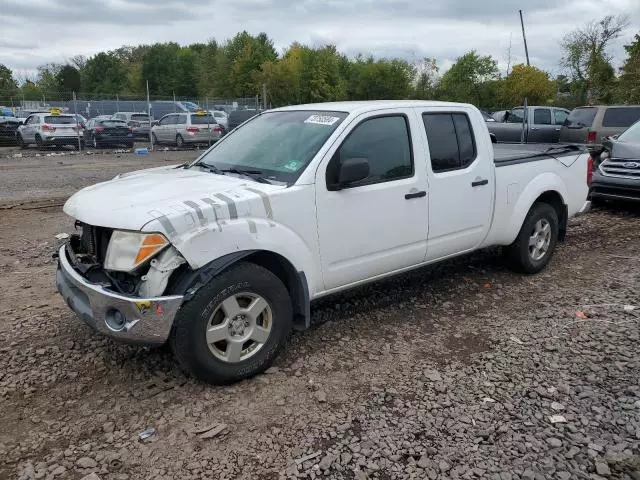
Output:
x=93 y=105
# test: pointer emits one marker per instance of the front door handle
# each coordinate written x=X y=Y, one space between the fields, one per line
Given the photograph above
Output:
x=477 y=183
x=420 y=194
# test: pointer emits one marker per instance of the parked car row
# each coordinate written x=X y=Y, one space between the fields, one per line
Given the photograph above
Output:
x=543 y=124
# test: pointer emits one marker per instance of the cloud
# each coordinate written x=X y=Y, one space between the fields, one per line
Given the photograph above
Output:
x=441 y=29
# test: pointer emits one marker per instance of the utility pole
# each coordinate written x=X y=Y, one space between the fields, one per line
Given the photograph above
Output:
x=75 y=114
x=264 y=95
x=509 y=53
x=525 y=110
x=524 y=37
x=149 y=114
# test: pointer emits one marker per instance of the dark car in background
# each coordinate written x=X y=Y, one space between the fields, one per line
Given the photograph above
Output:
x=240 y=116
x=9 y=124
x=590 y=124
x=617 y=176
x=109 y=132
x=533 y=124
x=139 y=122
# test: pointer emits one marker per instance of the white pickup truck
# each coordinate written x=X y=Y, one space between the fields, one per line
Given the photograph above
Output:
x=221 y=257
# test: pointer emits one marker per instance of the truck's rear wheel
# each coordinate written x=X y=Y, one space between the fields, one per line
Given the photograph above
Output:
x=533 y=248
x=234 y=327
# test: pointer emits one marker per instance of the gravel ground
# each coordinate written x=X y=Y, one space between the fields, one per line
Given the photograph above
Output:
x=463 y=370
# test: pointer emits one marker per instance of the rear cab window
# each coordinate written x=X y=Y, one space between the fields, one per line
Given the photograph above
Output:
x=451 y=141
x=581 y=117
x=621 y=117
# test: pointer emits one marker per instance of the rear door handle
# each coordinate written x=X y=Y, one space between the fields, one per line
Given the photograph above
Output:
x=477 y=183
x=420 y=194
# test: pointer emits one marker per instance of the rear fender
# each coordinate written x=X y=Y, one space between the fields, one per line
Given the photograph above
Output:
x=543 y=183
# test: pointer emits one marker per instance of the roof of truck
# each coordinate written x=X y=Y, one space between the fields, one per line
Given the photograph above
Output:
x=350 y=107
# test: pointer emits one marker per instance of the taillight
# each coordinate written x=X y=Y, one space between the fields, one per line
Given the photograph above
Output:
x=591 y=137
x=217 y=128
x=130 y=131
x=48 y=128
x=589 y=170
x=193 y=129
x=99 y=129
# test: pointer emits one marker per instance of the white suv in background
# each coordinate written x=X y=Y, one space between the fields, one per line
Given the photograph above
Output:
x=50 y=128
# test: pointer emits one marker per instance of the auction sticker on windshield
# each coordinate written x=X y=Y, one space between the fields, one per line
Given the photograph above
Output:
x=322 y=119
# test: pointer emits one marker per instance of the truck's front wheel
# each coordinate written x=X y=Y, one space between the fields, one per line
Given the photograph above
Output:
x=234 y=327
x=534 y=246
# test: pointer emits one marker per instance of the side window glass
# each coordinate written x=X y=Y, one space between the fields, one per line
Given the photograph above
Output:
x=385 y=143
x=181 y=119
x=542 y=116
x=516 y=116
x=451 y=141
x=164 y=121
x=560 y=116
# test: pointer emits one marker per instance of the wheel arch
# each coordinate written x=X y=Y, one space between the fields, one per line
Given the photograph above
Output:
x=546 y=188
x=187 y=281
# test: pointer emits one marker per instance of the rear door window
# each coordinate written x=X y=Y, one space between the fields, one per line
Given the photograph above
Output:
x=581 y=117
x=621 y=116
x=451 y=141
x=542 y=116
x=181 y=119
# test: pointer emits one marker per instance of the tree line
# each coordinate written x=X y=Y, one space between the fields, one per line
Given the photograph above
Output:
x=241 y=66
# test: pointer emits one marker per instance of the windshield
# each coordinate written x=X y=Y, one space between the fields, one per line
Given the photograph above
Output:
x=631 y=134
x=581 y=117
x=278 y=144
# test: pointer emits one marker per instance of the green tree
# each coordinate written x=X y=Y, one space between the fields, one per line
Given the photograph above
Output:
x=380 y=79
x=161 y=68
x=239 y=63
x=426 y=80
x=525 y=81
x=48 y=80
x=471 y=79
x=584 y=55
x=103 y=74
x=321 y=76
x=8 y=85
x=629 y=83
x=30 y=90
x=68 y=79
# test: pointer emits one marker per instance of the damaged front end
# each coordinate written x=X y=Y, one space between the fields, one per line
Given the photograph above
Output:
x=126 y=305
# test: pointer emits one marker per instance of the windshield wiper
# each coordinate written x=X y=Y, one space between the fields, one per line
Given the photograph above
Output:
x=252 y=174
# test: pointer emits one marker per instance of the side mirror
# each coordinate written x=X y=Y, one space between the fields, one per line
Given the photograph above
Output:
x=352 y=170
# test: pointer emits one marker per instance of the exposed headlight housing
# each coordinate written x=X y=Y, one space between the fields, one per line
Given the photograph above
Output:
x=128 y=250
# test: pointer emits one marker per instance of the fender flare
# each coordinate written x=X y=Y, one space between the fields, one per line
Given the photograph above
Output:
x=542 y=184
x=190 y=281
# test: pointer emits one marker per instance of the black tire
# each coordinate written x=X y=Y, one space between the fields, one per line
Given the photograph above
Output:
x=179 y=141
x=94 y=142
x=154 y=139
x=20 y=141
x=518 y=253
x=188 y=341
x=39 y=142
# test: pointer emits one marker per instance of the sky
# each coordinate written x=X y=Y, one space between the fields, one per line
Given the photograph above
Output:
x=36 y=32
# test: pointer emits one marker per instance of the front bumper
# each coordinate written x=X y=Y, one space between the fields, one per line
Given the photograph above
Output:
x=614 y=188
x=145 y=321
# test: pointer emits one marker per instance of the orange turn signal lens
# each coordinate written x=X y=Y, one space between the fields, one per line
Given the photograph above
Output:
x=151 y=245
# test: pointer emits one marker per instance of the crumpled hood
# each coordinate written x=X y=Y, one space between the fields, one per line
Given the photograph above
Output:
x=177 y=198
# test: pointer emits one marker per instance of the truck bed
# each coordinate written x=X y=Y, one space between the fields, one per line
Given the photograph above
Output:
x=514 y=153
